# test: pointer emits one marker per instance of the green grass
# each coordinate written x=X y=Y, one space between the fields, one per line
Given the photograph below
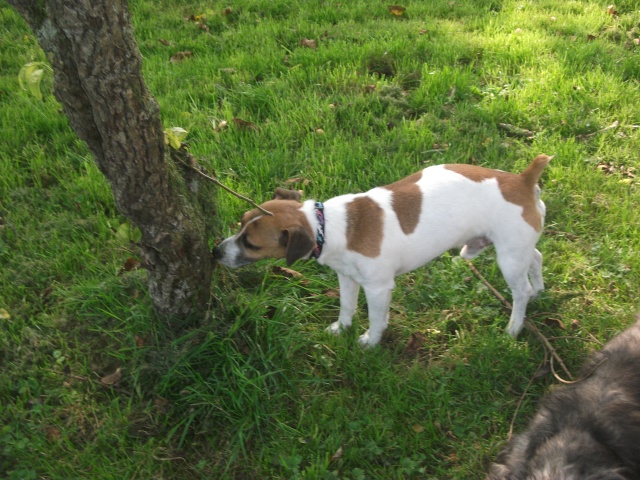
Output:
x=257 y=389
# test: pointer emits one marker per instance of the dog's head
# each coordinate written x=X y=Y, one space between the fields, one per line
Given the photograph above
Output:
x=285 y=234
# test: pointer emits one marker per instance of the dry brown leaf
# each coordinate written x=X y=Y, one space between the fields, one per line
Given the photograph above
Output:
x=295 y=180
x=112 y=378
x=287 y=272
x=370 y=88
x=227 y=11
x=554 y=322
x=180 y=56
x=416 y=341
x=418 y=428
x=239 y=122
x=397 y=10
x=53 y=433
x=611 y=10
x=164 y=42
x=129 y=264
x=331 y=293
x=309 y=43
x=140 y=341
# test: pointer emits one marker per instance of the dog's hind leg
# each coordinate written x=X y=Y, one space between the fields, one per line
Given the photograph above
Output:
x=378 y=300
x=349 y=290
x=535 y=273
x=514 y=268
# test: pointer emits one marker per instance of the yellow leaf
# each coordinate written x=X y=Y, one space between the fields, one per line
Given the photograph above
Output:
x=30 y=77
x=4 y=315
x=174 y=137
x=397 y=10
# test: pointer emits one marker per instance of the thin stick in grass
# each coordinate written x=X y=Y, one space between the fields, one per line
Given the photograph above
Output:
x=224 y=187
x=530 y=326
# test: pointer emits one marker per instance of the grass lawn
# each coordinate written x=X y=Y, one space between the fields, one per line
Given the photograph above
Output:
x=329 y=97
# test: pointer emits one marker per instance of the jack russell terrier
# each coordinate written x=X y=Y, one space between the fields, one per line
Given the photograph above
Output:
x=370 y=238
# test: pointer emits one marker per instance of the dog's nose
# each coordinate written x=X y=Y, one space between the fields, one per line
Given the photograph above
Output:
x=216 y=252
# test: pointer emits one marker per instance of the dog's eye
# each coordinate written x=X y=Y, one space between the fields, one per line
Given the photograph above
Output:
x=247 y=244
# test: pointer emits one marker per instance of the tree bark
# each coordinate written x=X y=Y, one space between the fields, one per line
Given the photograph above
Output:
x=98 y=80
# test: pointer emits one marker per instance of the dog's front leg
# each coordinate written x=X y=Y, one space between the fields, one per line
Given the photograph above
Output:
x=378 y=300
x=349 y=290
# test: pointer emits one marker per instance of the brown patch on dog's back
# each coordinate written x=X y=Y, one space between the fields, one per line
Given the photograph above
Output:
x=406 y=199
x=518 y=189
x=364 y=226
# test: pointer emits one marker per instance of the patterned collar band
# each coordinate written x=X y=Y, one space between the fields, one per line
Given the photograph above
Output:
x=320 y=233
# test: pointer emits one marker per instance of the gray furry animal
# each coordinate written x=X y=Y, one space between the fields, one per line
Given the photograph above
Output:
x=589 y=430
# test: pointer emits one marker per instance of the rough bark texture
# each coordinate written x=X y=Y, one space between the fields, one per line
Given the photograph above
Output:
x=98 y=80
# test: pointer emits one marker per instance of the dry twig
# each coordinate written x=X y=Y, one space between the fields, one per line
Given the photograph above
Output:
x=224 y=187
x=530 y=326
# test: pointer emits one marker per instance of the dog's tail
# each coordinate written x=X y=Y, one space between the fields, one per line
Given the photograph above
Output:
x=532 y=173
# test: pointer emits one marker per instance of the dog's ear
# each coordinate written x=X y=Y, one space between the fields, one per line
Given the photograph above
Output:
x=284 y=194
x=298 y=242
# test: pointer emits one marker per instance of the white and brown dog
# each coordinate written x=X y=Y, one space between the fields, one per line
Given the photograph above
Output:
x=369 y=238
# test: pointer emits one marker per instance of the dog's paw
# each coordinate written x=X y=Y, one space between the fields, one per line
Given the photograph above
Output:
x=334 y=329
x=367 y=341
x=514 y=330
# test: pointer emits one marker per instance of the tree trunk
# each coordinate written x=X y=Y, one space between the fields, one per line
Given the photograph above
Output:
x=98 y=80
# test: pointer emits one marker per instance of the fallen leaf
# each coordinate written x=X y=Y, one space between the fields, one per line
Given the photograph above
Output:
x=309 y=43
x=370 y=88
x=554 y=322
x=636 y=41
x=611 y=10
x=164 y=42
x=112 y=378
x=227 y=11
x=574 y=324
x=53 y=433
x=591 y=38
x=418 y=428
x=338 y=454
x=140 y=341
x=416 y=341
x=129 y=264
x=180 y=56
x=319 y=131
x=294 y=180
x=245 y=124
x=287 y=272
x=219 y=126
x=173 y=136
x=331 y=293
x=4 y=315
x=397 y=10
